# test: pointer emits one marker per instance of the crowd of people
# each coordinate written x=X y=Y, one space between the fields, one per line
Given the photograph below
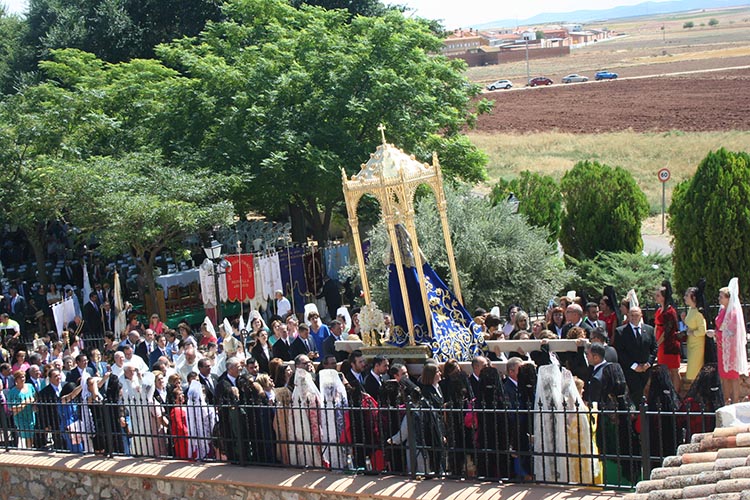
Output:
x=283 y=393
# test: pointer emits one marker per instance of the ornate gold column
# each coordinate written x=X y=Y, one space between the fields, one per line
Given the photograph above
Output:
x=443 y=210
x=412 y=230
x=354 y=224
x=390 y=226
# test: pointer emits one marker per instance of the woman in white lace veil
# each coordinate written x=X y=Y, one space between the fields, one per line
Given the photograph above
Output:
x=87 y=421
x=731 y=340
x=583 y=468
x=549 y=426
x=305 y=421
x=332 y=418
x=201 y=418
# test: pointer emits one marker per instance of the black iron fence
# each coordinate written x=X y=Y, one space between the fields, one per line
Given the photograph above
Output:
x=585 y=446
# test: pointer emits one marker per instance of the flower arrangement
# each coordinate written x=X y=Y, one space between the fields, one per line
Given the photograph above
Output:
x=371 y=323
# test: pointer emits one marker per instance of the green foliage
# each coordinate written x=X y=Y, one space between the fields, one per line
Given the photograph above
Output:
x=539 y=34
x=713 y=22
x=709 y=220
x=604 y=209
x=500 y=258
x=354 y=7
x=291 y=96
x=688 y=24
x=15 y=54
x=623 y=271
x=540 y=200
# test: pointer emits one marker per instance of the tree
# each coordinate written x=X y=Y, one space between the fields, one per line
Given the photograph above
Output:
x=501 y=259
x=297 y=94
x=539 y=34
x=168 y=206
x=15 y=55
x=709 y=220
x=354 y=7
x=713 y=22
x=540 y=200
x=604 y=209
x=688 y=24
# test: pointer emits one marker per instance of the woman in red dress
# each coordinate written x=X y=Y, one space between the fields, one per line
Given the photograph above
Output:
x=666 y=326
x=178 y=422
x=607 y=312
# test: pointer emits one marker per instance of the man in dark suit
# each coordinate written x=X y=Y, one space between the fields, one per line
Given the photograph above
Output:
x=477 y=365
x=594 y=382
x=329 y=344
x=145 y=348
x=207 y=379
x=574 y=317
x=374 y=380
x=356 y=374
x=303 y=344
x=49 y=401
x=108 y=317
x=82 y=366
x=599 y=335
x=232 y=417
x=160 y=350
x=636 y=347
x=283 y=346
x=92 y=318
x=592 y=316
x=72 y=274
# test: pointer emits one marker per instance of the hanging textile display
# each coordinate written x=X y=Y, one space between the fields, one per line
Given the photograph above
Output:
x=336 y=257
x=293 y=276
x=314 y=271
x=240 y=278
x=206 y=272
x=271 y=274
x=257 y=302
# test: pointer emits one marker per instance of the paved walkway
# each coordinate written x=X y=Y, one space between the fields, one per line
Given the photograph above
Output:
x=300 y=484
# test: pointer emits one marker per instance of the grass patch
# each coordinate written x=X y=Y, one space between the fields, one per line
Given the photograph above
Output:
x=643 y=154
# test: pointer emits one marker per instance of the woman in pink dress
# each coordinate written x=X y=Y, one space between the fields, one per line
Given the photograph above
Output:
x=731 y=341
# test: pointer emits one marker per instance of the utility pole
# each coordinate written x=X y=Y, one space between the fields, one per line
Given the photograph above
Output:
x=528 y=73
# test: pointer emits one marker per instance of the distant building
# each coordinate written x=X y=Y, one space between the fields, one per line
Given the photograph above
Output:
x=462 y=41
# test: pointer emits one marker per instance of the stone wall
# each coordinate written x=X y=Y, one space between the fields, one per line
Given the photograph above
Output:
x=29 y=475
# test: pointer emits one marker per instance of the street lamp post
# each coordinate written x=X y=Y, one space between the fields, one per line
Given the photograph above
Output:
x=213 y=252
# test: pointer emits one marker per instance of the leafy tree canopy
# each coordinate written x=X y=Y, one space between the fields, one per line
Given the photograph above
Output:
x=539 y=199
x=297 y=94
x=604 y=209
x=709 y=220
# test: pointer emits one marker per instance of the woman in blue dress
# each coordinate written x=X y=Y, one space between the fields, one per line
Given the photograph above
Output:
x=21 y=399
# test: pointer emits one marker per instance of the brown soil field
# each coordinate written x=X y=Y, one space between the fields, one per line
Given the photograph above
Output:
x=708 y=101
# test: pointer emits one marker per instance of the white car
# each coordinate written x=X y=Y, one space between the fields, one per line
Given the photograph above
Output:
x=500 y=84
x=575 y=78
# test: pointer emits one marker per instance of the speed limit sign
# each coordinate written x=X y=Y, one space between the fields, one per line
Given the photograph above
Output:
x=664 y=174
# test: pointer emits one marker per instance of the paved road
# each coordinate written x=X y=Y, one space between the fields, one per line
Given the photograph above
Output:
x=656 y=243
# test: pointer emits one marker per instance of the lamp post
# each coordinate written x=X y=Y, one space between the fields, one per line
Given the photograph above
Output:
x=213 y=252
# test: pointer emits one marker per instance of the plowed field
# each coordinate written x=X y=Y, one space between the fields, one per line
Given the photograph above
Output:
x=709 y=101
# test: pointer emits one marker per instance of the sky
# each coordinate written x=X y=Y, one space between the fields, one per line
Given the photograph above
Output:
x=463 y=13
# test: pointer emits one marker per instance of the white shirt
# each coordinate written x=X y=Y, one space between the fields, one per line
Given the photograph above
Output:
x=283 y=306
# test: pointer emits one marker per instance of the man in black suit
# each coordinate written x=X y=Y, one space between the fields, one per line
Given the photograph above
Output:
x=82 y=366
x=303 y=344
x=636 y=347
x=593 y=389
x=599 y=335
x=232 y=417
x=49 y=401
x=329 y=344
x=159 y=351
x=145 y=348
x=592 y=316
x=374 y=380
x=283 y=346
x=108 y=317
x=477 y=365
x=207 y=379
x=92 y=318
x=574 y=317
x=356 y=374
x=72 y=274
x=15 y=306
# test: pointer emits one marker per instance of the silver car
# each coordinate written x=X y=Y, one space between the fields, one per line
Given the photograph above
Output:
x=574 y=78
x=500 y=84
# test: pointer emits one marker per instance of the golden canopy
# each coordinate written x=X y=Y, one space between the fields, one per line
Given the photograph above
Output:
x=392 y=177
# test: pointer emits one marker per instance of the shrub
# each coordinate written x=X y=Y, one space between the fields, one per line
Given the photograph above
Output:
x=713 y=21
x=688 y=24
x=500 y=258
x=604 y=209
x=622 y=270
x=539 y=198
x=709 y=220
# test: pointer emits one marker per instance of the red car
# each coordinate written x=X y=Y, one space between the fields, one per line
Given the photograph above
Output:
x=539 y=80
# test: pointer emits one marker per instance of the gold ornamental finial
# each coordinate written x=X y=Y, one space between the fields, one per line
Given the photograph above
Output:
x=381 y=127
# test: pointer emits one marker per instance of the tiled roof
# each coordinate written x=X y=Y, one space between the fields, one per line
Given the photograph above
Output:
x=714 y=465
